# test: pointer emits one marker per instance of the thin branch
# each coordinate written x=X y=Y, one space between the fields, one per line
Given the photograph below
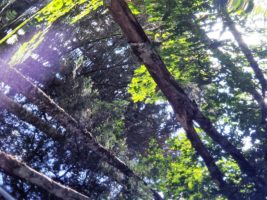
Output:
x=5 y=194
x=6 y=6
x=27 y=116
x=228 y=22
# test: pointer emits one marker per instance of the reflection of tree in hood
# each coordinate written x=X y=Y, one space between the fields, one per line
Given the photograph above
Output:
x=168 y=103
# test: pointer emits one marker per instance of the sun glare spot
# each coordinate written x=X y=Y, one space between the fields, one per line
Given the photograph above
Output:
x=246 y=143
x=21 y=32
x=12 y=39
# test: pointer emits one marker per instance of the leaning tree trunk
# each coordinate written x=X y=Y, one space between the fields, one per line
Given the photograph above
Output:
x=186 y=111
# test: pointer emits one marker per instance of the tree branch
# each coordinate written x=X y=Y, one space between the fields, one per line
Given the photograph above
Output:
x=249 y=88
x=16 y=168
x=5 y=194
x=204 y=122
x=27 y=116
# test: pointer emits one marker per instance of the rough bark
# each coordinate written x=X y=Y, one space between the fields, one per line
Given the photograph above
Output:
x=16 y=168
x=183 y=107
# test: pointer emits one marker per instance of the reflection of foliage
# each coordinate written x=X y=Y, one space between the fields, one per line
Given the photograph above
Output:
x=176 y=170
x=231 y=170
x=221 y=88
x=58 y=8
x=92 y=5
x=142 y=86
x=241 y=5
x=9 y=35
x=244 y=7
x=27 y=48
x=48 y=15
x=11 y=15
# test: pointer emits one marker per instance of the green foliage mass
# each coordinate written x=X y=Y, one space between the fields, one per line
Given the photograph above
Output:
x=142 y=87
x=45 y=17
x=176 y=170
x=179 y=51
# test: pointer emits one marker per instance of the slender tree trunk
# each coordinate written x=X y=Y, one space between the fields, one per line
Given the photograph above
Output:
x=228 y=22
x=16 y=168
x=226 y=61
x=215 y=172
x=245 y=49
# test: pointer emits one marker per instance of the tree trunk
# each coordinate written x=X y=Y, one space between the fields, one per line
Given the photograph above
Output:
x=245 y=49
x=184 y=109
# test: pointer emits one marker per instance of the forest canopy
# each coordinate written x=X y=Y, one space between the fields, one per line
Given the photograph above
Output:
x=133 y=99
